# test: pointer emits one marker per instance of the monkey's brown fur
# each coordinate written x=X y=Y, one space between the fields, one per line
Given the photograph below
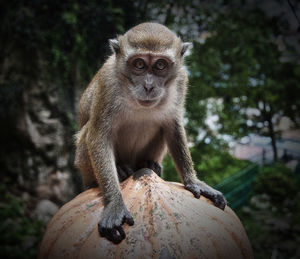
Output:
x=119 y=126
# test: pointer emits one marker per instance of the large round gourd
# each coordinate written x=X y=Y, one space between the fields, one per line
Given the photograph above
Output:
x=169 y=223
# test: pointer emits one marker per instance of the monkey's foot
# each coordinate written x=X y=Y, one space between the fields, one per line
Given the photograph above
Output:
x=124 y=171
x=154 y=166
x=110 y=225
x=199 y=188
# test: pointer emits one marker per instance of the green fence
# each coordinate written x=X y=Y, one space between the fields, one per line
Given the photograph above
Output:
x=238 y=187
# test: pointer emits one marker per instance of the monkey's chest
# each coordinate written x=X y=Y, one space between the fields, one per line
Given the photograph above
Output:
x=133 y=140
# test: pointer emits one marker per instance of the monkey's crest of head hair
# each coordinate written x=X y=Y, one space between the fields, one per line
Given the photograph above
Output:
x=151 y=36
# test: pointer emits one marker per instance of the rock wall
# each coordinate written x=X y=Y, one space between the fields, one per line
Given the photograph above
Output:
x=37 y=147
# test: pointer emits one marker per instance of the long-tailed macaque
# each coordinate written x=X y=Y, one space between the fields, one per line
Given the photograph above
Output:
x=130 y=114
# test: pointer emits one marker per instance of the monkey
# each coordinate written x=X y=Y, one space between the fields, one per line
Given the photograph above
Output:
x=129 y=116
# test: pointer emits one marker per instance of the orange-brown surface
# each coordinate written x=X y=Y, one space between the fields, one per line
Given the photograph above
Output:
x=169 y=223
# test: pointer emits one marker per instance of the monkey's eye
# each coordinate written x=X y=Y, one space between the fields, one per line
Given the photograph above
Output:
x=139 y=63
x=160 y=64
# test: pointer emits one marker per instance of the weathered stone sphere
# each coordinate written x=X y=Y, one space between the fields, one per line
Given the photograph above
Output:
x=169 y=223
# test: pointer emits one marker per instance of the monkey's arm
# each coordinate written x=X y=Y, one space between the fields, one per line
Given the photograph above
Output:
x=103 y=162
x=177 y=145
x=85 y=103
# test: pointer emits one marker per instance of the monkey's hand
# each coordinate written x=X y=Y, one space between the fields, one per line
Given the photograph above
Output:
x=199 y=188
x=115 y=214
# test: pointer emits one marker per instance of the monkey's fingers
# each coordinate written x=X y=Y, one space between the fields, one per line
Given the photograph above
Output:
x=194 y=189
x=113 y=235
x=102 y=230
x=124 y=171
x=110 y=226
x=121 y=232
x=215 y=196
x=116 y=234
x=128 y=219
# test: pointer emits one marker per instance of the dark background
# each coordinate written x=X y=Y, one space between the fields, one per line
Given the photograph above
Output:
x=242 y=106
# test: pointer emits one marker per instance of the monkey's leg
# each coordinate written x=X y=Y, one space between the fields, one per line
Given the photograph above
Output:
x=124 y=171
x=177 y=144
x=83 y=163
x=115 y=212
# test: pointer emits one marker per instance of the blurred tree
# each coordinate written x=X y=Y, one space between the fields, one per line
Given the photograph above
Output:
x=51 y=49
x=239 y=65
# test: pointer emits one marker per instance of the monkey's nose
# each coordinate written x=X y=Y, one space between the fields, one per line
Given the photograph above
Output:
x=148 y=88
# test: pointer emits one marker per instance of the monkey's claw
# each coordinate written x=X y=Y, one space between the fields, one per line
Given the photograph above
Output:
x=201 y=188
x=110 y=225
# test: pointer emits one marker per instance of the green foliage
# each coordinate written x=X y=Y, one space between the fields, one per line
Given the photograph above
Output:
x=212 y=165
x=271 y=219
x=169 y=172
x=62 y=44
x=239 y=63
x=20 y=235
x=272 y=231
x=278 y=181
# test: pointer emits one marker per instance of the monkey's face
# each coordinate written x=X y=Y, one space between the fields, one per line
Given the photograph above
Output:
x=149 y=74
x=148 y=58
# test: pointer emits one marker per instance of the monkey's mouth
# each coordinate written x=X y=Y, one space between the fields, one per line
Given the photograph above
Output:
x=147 y=103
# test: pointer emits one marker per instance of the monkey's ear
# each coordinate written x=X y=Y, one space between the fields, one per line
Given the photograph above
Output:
x=114 y=45
x=185 y=46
